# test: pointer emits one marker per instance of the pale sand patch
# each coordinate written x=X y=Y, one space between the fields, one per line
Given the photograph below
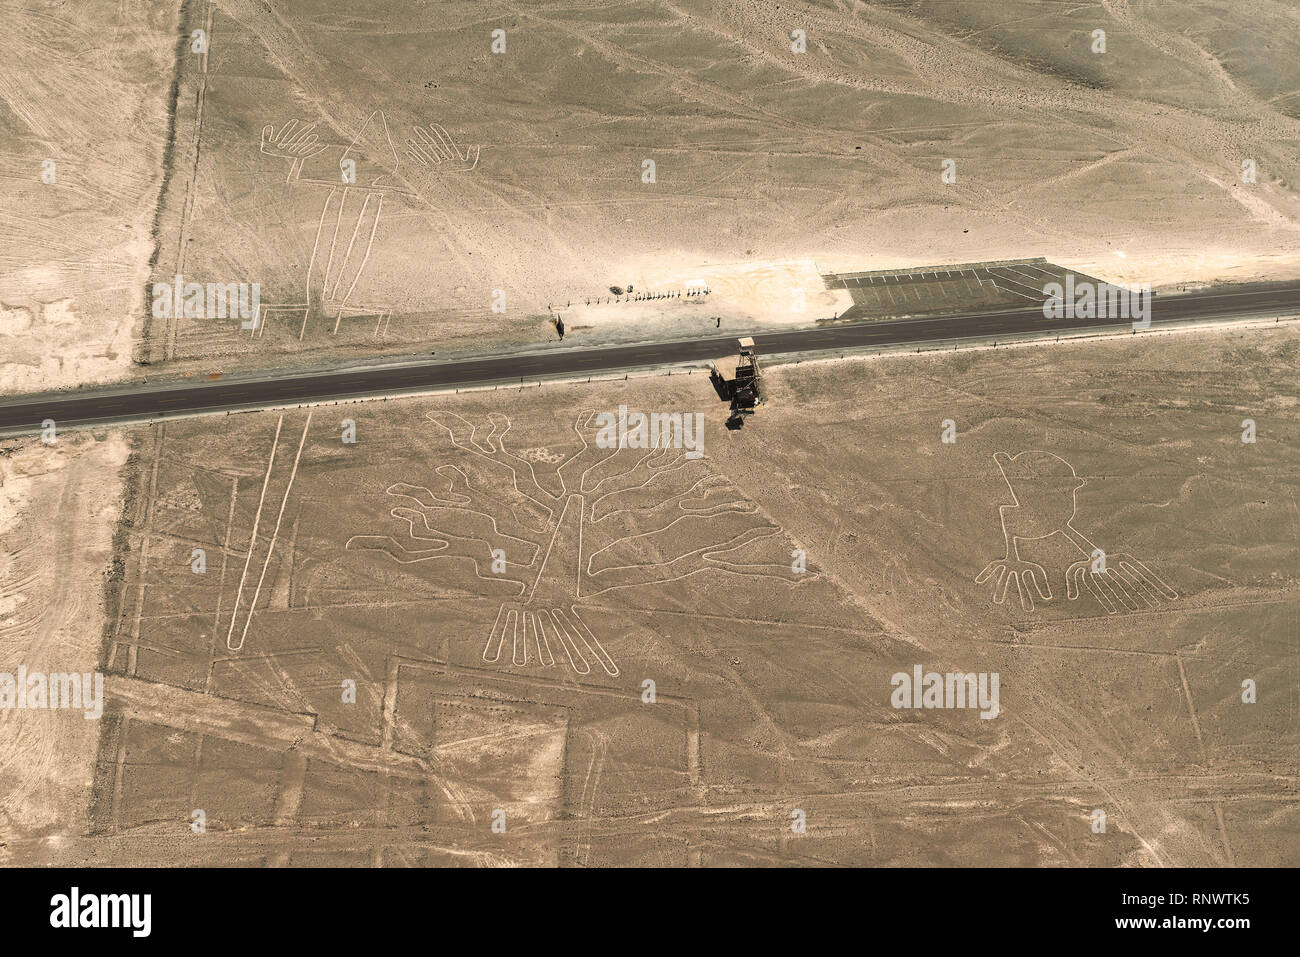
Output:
x=1171 y=271
x=777 y=292
x=46 y=345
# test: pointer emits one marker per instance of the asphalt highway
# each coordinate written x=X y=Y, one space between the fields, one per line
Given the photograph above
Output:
x=143 y=401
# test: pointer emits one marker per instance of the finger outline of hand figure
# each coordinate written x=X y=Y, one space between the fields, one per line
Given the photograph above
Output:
x=295 y=142
x=431 y=147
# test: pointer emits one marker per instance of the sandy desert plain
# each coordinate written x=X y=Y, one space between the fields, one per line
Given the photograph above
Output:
x=521 y=692
x=371 y=563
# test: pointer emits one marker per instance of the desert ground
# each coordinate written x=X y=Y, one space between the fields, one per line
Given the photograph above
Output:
x=494 y=186
x=357 y=677
x=520 y=691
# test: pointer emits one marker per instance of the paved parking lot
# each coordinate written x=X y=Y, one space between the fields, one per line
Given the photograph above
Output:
x=939 y=290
